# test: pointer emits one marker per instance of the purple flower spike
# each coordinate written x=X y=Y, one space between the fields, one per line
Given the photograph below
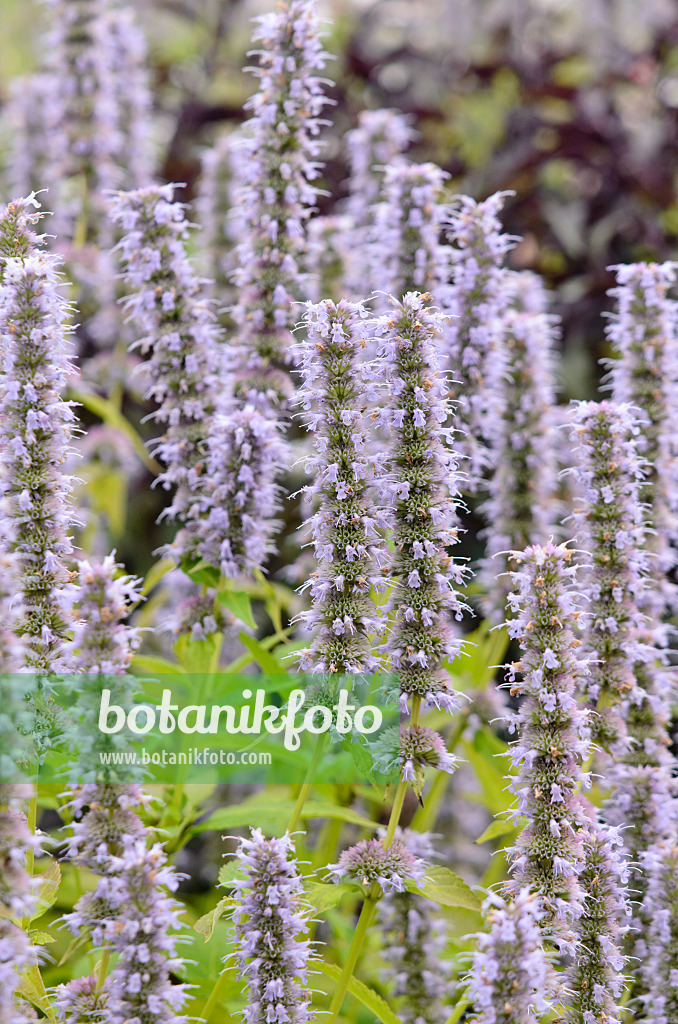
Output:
x=82 y=1001
x=100 y=602
x=511 y=979
x=553 y=743
x=657 y=944
x=336 y=394
x=269 y=917
x=420 y=491
x=369 y=863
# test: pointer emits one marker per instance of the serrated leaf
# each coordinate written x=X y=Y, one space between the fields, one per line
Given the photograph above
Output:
x=238 y=604
x=206 y=924
x=325 y=895
x=264 y=659
x=32 y=988
x=39 y=938
x=370 y=999
x=231 y=872
x=495 y=829
x=49 y=882
x=442 y=886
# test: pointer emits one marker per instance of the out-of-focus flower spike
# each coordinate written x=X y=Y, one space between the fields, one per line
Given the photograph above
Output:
x=336 y=395
x=553 y=743
x=521 y=508
x=269 y=919
x=133 y=98
x=216 y=211
x=17 y=900
x=658 y=944
x=329 y=254
x=278 y=164
x=30 y=116
x=511 y=980
x=643 y=335
x=82 y=1001
x=477 y=299
x=420 y=491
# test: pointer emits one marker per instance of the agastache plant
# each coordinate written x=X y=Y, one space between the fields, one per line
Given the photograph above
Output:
x=277 y=166
x=270 y=918
x=521 y=507
x=642 y=332
x=420 y=490
x=336 y=393
x=477 y=299
x=511 y=978
x=36 y=432
x=549 y=754
x=372 y=863
x=167 y=304
x=405 y=245
x=17 y=901
x=609 y=520
x=659 y=941
x=214 y=205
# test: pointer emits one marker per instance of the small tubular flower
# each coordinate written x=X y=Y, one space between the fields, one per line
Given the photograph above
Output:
x=81 y=1001
x=36 y=431
x=246 y=455
x=412 y=749
x=659 y=943
x=336 y=393
x=548 y=756
x=100 y=600
x=413 y=942
x=405 y=249
x=369 y=863
x=269 y=917
x=16 y=901
x=420 y=490
x=610 y=523
x=595 y=977
x=521 y=508
x=511 y=978
x=477 y=299
x=277 y=167
x=642 y=332
x=180 y=337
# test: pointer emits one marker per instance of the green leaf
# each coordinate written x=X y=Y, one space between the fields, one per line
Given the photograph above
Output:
x=442 y=886
x=239 y=604
x=39 y=938
x=32 y=988
x=457 y=1012
x=198 y=656
x=493 y=784
x=318 y=809
x=156 y=573
x=264 y=659
x=49 y=882
x=325 y=895
x=111 y=415
x=151 y=663
x=206 y=924
x=495 y=829
x=370 y=999
x=271 y=817
x=202 y=572
x=231 y=872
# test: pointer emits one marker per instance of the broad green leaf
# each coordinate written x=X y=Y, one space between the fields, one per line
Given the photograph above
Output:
x=325 y=895
x=318 y=809
x=49 y=882
x=239 y=604
x=264 y=659
x=495 y=829
x=206 y=924
x=32 y=988
x=39 y=938
x=231 y=872
x=370 y=999
x=442 y=886
x=271 y=817
x=156 y=573
x=152 y=663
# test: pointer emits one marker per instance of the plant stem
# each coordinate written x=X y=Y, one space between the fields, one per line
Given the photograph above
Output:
x=214 y=995
x=103 y=968
x=308 y=782
x=364 y=921
x=425 y=816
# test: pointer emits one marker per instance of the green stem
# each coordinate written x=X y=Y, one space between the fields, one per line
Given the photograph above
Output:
x=103 y=969
x=364 y=922
x=214 y=995
x=307 y=784
x=425 y=816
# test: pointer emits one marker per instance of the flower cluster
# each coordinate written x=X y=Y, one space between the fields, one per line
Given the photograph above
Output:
x=477 y=300
x=277 y=166
x=246 y=455
x=81 y=1001
x=36 y=431
x=269 y=917
x=552 y=746
x=378 y=141
x=18 y=237
x=16 y=901
x=412 y=749
x=520 y=509
x=213 y=204
x=336 y=392
x=413 y=941
x=660 y=938
x=100 y=602
x=129 y=911
x=610 y=524
x=511 y=978
x=405 y=249
x=370 y=863
x=643 y=336
x=420 y=489
x=595 y=977
x=166 y=303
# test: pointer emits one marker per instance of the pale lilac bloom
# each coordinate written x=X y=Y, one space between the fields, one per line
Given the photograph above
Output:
x=17 y=900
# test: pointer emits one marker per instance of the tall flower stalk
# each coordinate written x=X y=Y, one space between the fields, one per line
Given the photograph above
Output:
x=17 y=901
x=477 y=299
x=659 y=941
x=278 y=165
x=521 y=506
x=549 y=754
x=336 y=394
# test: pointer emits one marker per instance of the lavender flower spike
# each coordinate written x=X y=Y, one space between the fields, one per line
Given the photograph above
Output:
x=269 y=918
x=477 y=300
x=595 y=978
x=405 y=249
x=167 y=306
x=553 y=744
x=16 y=901
x=277 y=167
x=659 y=944
x=642 y=333
x=369 y=863
x=511 y=977
x=610 y=524
x=100 y=600
x=521 y=507
x=36 y=429
x=335 y=396
x=420 y=491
